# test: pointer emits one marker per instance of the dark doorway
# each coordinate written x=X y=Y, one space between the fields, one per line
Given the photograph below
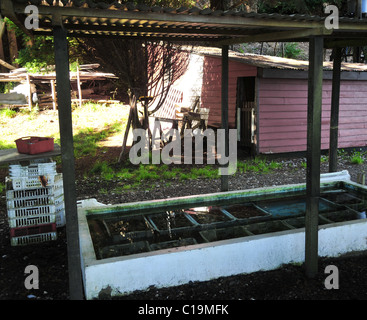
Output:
x=246 y=117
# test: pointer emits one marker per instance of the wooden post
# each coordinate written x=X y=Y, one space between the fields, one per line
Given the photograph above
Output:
x=29 y=92
x=79 y=87
x=334 y=116
x=53 y=94
x=68 y=166
x=315 y=76
x=361 y=178
x=224 y=178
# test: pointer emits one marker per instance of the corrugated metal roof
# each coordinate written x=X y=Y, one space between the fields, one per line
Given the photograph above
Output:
x=129 y=6
x=86 y=18
x=273 y=62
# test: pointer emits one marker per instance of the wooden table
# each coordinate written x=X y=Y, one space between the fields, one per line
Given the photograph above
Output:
x=12 y=155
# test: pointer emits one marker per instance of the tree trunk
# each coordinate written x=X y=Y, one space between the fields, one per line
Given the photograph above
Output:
x=13 y=46
x=2 y=56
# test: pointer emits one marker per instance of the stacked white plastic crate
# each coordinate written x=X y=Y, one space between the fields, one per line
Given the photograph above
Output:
x=35 y=202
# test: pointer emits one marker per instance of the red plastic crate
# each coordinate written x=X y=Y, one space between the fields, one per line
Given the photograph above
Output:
x=27 y=231
x=34 y=145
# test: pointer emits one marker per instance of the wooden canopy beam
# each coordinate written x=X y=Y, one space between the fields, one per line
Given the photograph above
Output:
x=330 y=43
x=136 y=28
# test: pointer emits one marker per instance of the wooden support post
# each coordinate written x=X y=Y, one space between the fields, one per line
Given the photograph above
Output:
x=29 y=92
x=68 y=165
x=224 y=178
x=53 y=94
x=334 y=116
x=361 y=178
x=313 y=154
x=79 y=87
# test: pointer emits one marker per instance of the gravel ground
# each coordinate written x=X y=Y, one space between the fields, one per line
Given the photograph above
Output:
x=285 y=283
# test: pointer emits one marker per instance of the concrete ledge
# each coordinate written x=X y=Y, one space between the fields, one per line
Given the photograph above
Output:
x=206 y=261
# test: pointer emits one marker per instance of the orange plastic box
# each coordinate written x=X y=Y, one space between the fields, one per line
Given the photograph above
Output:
x=34 y=145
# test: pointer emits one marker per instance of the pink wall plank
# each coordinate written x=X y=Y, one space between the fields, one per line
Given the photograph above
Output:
x=283 y=115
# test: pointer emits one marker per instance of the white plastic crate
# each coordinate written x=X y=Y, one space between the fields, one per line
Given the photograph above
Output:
x=60 y=215
x=59 y=200
x=24 y=183
x=30 y=201
x=32 y=220
x=33 y=170
x=32 y=183
x=58 y=189
x=35 y=238
x=30 y=211
x=29 y=193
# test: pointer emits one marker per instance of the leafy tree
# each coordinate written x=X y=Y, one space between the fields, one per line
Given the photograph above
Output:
x=312 y=7
x=37 y=54
x=291 y=50
x=144 y=69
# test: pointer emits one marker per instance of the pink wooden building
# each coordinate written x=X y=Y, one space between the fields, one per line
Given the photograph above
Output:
x=268 y=102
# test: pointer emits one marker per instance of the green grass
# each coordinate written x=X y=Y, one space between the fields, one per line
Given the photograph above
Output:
x=149 y=172
x=259 y=165
x=356 y=157
x=87 y=139
x=6 y=145
x=7 y=113
x=92 y=123
x=206 y=172
x=124 y=174
x=103 y=169
x=133 y=176
x=324 y=159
